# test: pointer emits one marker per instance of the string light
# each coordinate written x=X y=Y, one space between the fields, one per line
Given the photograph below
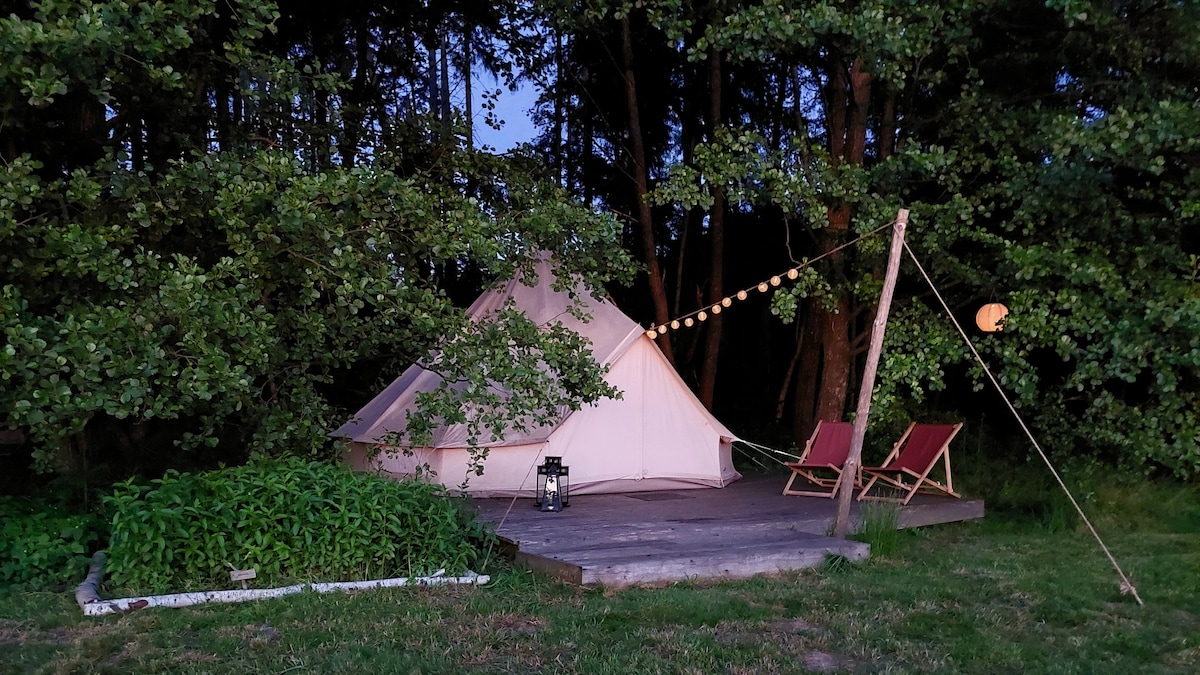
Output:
x=691 y=319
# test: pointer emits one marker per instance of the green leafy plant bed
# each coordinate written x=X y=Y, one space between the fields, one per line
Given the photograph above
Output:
x=40 y=545
x=288 y=520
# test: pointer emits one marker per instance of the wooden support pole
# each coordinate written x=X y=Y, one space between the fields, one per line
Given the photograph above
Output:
x=841 y=525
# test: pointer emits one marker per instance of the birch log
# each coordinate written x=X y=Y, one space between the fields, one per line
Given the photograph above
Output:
x=89 y=598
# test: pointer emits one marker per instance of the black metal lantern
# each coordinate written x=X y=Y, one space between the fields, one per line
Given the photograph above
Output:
x=553 y=485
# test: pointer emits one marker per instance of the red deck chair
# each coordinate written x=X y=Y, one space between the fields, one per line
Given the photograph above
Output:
x=824 y=454
x=907 y=467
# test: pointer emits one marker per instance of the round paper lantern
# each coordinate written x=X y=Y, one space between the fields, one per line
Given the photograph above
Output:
x=990 y=317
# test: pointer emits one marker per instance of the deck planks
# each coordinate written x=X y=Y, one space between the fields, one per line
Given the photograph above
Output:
x=745 y=529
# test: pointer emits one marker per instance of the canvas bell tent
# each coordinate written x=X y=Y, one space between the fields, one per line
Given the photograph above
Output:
x=657 y=436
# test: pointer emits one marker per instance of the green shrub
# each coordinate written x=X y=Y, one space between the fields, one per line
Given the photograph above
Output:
x=289 y=520
x=41 y=545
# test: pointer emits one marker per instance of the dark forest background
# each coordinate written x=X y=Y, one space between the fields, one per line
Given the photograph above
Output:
x=225 y=225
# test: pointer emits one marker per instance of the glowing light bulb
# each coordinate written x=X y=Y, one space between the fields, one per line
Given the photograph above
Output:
x=794 y=272
x=741 y=295
x=662 y=330
x=675 y=324
x=762 y=288
x=716 y=309
x=702 y=316
x=688 y=322
x=725 y=302
x=651 y=333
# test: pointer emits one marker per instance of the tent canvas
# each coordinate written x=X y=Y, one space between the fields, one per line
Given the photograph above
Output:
x=657 y=436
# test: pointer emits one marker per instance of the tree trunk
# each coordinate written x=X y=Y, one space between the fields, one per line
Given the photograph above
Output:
x=445 y=111
x=690 y=218
x=431 y=76
x=658 y=292
x=857 y=113
x=887 y=130
x=835 y=369
x=557 y=160
x=847 y=101
x=787 y=375
x=468 y=68
x=716 y=231
x=355 y=112
x=221 y=96
x=809 y=377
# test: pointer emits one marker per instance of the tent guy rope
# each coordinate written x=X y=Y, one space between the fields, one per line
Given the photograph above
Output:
x=769 y=452
x=1126 y=585
x=487 y=556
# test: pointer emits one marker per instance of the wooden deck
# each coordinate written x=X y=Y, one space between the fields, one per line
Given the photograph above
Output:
x=742 y=530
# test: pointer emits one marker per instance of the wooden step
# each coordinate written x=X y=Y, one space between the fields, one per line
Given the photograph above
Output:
x=666 y=559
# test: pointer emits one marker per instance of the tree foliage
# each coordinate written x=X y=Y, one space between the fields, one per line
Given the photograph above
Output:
x=1046 y=150
x=161 y=285
x=217 y=216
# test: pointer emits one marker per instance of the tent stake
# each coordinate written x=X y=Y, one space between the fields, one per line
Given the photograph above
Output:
x=841 y=525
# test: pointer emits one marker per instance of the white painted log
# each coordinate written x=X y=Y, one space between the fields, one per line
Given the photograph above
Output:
x=102 y=607
x=331 y=586
x=435 y=579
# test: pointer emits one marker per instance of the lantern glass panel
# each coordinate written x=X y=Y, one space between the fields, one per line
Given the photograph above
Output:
x=553 y=485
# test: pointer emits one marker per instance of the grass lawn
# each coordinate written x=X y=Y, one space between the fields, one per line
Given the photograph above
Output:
x=1005 y=595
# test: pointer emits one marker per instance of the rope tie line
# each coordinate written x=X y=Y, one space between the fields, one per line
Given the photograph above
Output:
x=688 y=320
x=487 y=556
x=769 y=452
x=763 y=450
x=1126 y=585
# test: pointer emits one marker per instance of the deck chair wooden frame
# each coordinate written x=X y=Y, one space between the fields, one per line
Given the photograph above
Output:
x=824 y=454
x=912 y=459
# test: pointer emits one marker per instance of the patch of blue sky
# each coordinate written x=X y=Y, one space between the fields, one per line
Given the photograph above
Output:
x=513 y=108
